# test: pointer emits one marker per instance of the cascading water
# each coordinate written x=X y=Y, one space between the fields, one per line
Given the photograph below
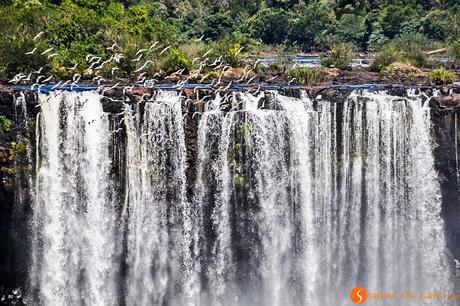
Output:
x=293 y=202
x=75 y=259
x=157 y=213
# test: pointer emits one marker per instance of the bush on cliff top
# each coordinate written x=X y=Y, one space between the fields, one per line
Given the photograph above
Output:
x=441 y=77
x=340 y=56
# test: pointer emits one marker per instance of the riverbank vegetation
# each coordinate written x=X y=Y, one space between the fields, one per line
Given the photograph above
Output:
x=62 y=36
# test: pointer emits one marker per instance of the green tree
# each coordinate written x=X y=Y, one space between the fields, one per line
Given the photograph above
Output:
x=393 y=17
x=352 y=28
x=313 y=21
x=217 y=26
x=270 y=25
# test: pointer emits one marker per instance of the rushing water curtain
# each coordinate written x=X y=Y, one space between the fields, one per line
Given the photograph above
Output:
x=288 y=201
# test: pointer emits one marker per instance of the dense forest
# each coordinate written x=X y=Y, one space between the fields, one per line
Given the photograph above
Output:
x=396 y=31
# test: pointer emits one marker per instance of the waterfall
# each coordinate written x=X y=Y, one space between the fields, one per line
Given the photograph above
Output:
x=75 y=259
x=281 y=201
x=157 y=213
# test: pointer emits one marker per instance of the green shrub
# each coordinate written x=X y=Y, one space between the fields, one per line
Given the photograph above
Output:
x=5 y=123
x=411 y=49
x=325 y=42
x=384 y=58
x=233 y=48
x=401 y=70
x=174 y=61
x=308 y=75
x=454 y=51
x=340 y=56
x=437 y=24
x=441 y=77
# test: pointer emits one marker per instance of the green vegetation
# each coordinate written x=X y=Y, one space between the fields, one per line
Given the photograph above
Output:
x=441 y=77
x=239 y=180
x=244 y=129
x=308 y=75
x=454 y=50
x=399 y=31
x=403 y=70
x=340 y=56
x=5 y=123
x=407 y=48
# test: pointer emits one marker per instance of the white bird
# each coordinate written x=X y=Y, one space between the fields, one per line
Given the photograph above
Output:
x=239 y=50
x=125 y=89
x=242 y=78
x=31 y=52
x=39 y=70
x=207 y=52
x=195 y=59
x=73 y=84
x=76 y=77
x=228 y=86
x=39 y=78
x=139 y=81
x=33 y=85
x=94 y=64
x=216 y=61
x=117 y=57
x=52 y=55
x=114 y=86
x=203 y=78
x=38 y=35
x=200 y=39
x=137 y=59
x=55 y=86
x=255 y=64
x=47 y=50
x=100 y=66
x=17 y=78
x=143 y=66
x=292 y=80
x=117 y=130
x=205 y=97
x=218 y=66
x=94 y=58
x=47 y=79
x=179 y=72
x=165 y=49
x=113 y=69
x=153 y=45
x=112 y=47
x=140 y=51
x=74 y=67
x=65 y=83
x=251 y=79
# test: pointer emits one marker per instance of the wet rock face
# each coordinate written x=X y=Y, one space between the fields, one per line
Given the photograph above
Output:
x=446 y=155
x=451 y=101
x=13 y=219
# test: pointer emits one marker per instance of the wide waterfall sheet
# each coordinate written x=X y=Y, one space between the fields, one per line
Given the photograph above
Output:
x=292 y=203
